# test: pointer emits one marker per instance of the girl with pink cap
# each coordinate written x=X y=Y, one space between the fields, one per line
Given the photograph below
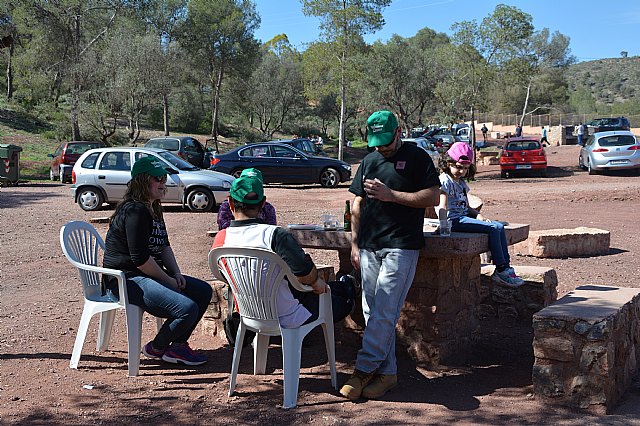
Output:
x=455 y=165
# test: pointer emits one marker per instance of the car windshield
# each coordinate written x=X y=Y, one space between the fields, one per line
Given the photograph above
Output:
x=523 y=145
x=81 y=148
x=168 y=144
x=177 y=162
x=617 y=140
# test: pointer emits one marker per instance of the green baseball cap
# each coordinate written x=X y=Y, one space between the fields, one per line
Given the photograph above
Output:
x=149 y=165
x=381 y=128
x=247 y=188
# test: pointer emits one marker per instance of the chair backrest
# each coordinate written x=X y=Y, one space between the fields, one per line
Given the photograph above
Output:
x=254 y=275
x=82 y=245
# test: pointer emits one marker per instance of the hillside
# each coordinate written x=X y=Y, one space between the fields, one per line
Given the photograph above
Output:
x=609 y=80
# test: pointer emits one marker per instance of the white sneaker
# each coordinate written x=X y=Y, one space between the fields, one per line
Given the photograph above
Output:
x=505 y=278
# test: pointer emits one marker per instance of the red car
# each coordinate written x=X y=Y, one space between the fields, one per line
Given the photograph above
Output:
x=524 y=154
x=65 y=157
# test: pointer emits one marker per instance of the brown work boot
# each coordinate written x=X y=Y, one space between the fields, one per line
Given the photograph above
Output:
x=352 y=389
x=380 y=385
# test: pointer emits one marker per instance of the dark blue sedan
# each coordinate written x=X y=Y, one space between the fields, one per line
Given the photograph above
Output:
x=281 y=163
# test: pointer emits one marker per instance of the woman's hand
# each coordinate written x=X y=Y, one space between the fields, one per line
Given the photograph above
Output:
x=181 y=282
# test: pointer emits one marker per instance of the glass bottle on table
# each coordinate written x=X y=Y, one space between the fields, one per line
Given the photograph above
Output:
x=347 y=217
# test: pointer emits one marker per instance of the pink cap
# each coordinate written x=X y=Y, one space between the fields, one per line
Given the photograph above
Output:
x=461 y=153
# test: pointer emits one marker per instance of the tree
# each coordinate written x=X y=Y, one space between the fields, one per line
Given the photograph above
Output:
x=8 y=40
x=401 y=75
x=540 y=61
x=342 y=21
x=219 y=34
x=624 y=54
x=64 y=31
x=484 y=47
x=276 y=89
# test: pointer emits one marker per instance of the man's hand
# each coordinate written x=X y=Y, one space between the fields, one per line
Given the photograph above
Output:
x=319 y=286
x=355 y=256
x=378 y=190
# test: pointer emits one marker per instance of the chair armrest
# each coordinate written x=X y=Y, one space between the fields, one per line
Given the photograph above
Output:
x=122 y=288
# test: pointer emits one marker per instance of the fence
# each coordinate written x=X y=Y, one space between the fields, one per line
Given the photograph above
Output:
x=546 y=119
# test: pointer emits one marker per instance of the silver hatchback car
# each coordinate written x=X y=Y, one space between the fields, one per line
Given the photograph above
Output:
x=614 y=150
x=101 y=176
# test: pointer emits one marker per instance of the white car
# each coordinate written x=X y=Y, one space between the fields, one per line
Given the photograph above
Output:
x=427 y=146
x=101 y=176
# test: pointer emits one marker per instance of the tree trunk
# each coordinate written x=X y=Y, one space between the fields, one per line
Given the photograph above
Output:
x=526 y=102
x=343 y=109
x=472 y=133
x=10 y=73
x=215 y=106
x=75 y=105
x=165 y=113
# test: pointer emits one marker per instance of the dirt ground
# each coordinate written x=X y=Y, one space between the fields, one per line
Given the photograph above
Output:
x=41 y=303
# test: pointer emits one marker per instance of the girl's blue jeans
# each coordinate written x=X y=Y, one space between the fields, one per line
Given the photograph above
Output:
x=182 y=308
x=497 y=238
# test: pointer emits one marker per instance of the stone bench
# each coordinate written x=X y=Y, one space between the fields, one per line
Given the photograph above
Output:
x=586 y=347
x=565 y=243
x=538 y=292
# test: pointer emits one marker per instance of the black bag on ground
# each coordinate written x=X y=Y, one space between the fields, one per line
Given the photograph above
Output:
x=232 y=322
x=343 y=296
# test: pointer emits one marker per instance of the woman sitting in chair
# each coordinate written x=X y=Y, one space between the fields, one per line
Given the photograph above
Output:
x=138 y=244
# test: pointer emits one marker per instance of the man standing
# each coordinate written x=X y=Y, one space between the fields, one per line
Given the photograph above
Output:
x=484 y=131
x=580 y=132
x=518 y=131
x=392 y=187
x=543 y=139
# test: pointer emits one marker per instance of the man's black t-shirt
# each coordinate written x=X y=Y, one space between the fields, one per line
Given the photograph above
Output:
x=391 y=225
x=133 y=236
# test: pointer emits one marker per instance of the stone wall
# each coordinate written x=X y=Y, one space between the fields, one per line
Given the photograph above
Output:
x=517 y=304
x=587 y=346
x=580 y=241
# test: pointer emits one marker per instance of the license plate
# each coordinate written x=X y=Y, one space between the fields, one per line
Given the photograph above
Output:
x=618 y=161
x=523 y=166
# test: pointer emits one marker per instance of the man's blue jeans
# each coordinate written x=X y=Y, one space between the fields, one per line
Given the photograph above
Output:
x=580 y=142
x=497 y=238
x=182 y=308
x=387 y=275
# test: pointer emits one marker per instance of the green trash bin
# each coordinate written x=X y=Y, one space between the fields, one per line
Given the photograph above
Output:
x=9 y=164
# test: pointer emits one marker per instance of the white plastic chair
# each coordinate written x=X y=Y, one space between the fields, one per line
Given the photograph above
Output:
x=81 y=244
x=254 y=275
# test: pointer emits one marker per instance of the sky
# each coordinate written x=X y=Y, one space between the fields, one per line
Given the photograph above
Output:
x=597 y=28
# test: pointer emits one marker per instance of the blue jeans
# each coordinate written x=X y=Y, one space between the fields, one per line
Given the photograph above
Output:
x=580 y=140
x=497 y=238
x=387 y=275
x=182 y=308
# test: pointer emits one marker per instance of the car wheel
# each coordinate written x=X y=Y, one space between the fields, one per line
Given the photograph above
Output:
x=200 y=200
x=61 y=176
x=581 y=163
x=90 y=199
x=51 y=176
x=329 y=178
x=503 y=175
x=236 y=173
x=590 y=169
x=543 y=173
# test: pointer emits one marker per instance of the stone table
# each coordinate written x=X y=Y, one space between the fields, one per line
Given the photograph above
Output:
x=439 y=318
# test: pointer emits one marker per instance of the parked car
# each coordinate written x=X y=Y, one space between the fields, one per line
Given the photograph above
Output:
x=608 y=124
x=65 y=156
x=101 y=176
x=524 y=154
x=614 y=150
x=428 y=145
x=305 y=145
x=185 y=147
x=281 y=163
